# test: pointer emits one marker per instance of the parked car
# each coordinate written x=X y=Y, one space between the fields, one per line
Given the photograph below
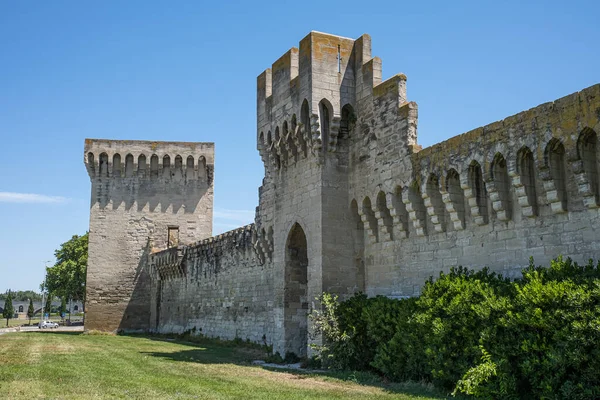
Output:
x=48 y=324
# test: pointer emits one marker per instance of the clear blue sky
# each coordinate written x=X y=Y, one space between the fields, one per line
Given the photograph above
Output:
x=187 y=71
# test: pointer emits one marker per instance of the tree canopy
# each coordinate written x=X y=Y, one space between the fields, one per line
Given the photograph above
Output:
x=22 y=295
x=66 y=278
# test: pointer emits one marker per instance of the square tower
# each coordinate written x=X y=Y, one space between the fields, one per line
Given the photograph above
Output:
x=145 y=196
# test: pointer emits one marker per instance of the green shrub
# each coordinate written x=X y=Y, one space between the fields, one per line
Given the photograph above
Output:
x=477 y=332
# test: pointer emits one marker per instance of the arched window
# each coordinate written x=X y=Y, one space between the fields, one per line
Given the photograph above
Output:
x=189 y=168
x=555 y=161
x=128 y=166
x=154 y=166
x=202 y=175
x=142 y=165
x=325 y=121
x=178 y=172
x=525 y=168
x=385 y=215
x=457 y=197
x=478 y=188
x=103 y=164
x=306 y=128
x=587 y=146
x=367 y=210
x=91 y=164
x=116 y=167
x=501 y=183
x=76 y=308
x=166 y=167
x=20 y=309
x=435 y=208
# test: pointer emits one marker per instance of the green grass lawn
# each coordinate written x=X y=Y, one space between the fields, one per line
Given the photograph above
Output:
x=70 y=365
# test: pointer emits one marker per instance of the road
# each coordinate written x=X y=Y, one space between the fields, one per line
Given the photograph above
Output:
x=36 y=329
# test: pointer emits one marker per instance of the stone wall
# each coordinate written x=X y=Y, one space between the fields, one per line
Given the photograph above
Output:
x=140 y=190
x=349 y=202
x=218 y=287
x=524 y=186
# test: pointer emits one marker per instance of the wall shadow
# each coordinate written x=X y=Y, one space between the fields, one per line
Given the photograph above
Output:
x=205 y=352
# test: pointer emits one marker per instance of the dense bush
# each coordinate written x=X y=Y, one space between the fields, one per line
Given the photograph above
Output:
x=477 y=332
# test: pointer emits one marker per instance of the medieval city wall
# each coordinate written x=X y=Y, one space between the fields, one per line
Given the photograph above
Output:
x=140 y=190
x=219 y=287
x=524 y=186
x=349 y=202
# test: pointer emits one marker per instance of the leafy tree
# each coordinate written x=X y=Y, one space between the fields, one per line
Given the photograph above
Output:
x=22 y=295
x=9 y=310
x=30 y=310
x=66 y=278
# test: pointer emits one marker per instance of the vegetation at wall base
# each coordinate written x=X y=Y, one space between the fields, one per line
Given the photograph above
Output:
x=477 y=333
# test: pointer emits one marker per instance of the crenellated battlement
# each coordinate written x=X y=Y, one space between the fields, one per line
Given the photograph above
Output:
x=531 y=165
x=166 y=161
x=309 y=99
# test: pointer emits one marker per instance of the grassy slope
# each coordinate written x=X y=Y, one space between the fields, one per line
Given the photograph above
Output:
x=75 y=366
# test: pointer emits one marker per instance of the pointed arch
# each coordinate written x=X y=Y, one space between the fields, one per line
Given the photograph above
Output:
x=166 y=171
x=479 y=191
x=141 y=169
x=129 y=165
x=526 y=171
x=116 y=166
x=154 y=166
x=189 y=168
x=369 y=220
x=384 y=218
x=91 y=163
x=456 y=197
x=306 y=128
x=555 y=162
x=296 y=292
x=325 y=115
x=434 y=203
x=500 y=183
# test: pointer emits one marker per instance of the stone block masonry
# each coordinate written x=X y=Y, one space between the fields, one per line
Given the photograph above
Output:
x=145 y=196
x=349 y=202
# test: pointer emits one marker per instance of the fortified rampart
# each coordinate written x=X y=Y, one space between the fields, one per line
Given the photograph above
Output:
x=350 y=202
x=217 y=287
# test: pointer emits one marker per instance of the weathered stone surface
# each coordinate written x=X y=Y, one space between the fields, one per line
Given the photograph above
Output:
x=350 y=202
x=139 y=190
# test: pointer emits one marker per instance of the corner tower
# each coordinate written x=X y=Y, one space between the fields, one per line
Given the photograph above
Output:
x=145 y=195
x=324 y=118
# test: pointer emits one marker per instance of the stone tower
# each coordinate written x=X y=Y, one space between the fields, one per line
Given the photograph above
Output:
x=312 y=106
x=145 y=195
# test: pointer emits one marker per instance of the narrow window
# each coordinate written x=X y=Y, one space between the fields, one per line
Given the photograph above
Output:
x=128 y=166
x=526 y=169
x=173 y=236
x=324 y=124
x=587 y=148
x=555 y=152
x=141 y=165
x=154 y=166
x=103 y=164
x=116 y=167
